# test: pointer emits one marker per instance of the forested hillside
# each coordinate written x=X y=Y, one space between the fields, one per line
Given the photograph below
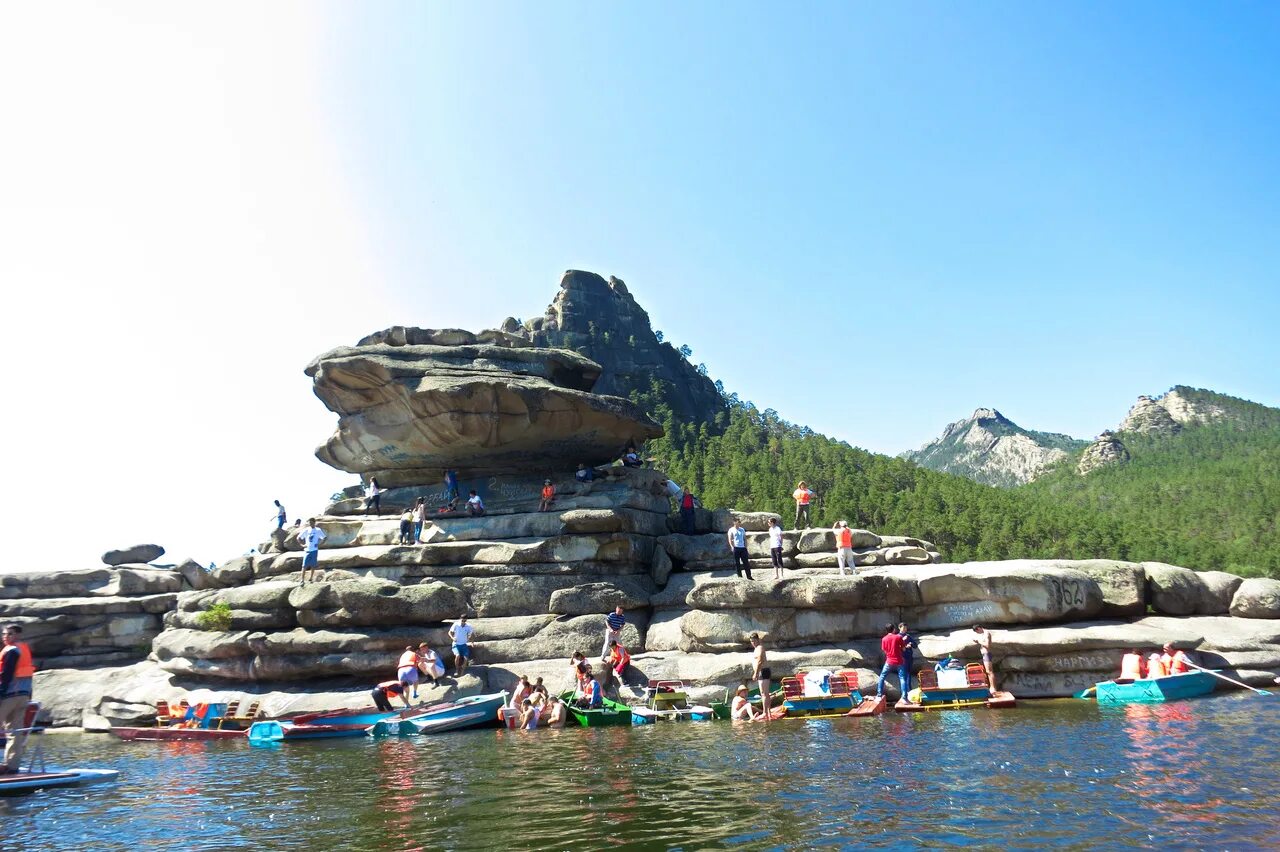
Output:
x=1207 y=497
x=758 y=458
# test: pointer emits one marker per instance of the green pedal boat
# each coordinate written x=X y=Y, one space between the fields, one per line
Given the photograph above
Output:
x=612 y=713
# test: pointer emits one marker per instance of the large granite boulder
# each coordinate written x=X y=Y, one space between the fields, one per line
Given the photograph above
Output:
x=138 y=553
x=1177 y=591
x=1106 y=451
x=407 y=411
x=1257 y=597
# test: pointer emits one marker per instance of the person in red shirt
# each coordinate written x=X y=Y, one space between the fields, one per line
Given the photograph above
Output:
x=892 y=644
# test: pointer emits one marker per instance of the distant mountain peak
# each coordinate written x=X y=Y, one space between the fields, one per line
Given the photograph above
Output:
x=990 y=448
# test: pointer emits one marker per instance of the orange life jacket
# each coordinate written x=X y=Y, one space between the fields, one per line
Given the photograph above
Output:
x=619 y=658
x=1131 y=667
x=408 y=659
x=802 y=496
x=1155 y=666
x=1177 y=664
x=26 y=667
x=548 y=491
x=844 y=538
x=391 y=687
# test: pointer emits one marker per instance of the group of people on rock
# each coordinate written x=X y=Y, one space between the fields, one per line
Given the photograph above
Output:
x=417 y=663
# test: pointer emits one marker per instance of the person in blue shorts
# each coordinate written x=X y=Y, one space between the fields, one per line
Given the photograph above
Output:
x=460 y=634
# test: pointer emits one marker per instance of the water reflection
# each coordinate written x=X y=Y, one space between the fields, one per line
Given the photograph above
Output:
x=1055 y=774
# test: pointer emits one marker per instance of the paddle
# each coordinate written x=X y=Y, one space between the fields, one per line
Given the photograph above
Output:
x=1227 y=679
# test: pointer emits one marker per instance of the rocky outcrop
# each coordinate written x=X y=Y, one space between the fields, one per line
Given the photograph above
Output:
x=1106 y=451
x=407 y=411
x=602 y=320
x=1148 y=416
x=138 y=554
x=987 y=447
x=1257 y=597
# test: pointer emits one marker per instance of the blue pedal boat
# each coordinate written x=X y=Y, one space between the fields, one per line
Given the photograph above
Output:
x=1157 y=689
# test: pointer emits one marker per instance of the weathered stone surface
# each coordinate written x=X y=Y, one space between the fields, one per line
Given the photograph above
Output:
x=262 y=597
x=1148 y=416
x=1106 y=451
x=18 y=609
x=561 y=638
x=1018 y=591
x=235 y=572
x=907 y=555
x=1257 y=597
x=195 y=576
x=1176 y=591
x=375 y=602
x=1123 y=585
x=1220 y=588
x=520 y=595
x=906 y=541
x=722 y=519
x=141 y=553
x=660 y=567
x=406 y=412
x=599 y=597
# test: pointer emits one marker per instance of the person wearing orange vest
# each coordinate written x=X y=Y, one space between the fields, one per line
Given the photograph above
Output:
x=1131 y=666
x=382 y=691
x=548 y=496
x=407 y=670
x=1175 y=661
x=803 y=497
x=844 y=546
x=17 y=670
x=619 y=659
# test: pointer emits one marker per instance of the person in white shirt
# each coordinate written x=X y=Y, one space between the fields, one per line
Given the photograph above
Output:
x=460 y=634
x=475 y=506
x=775 y=547
x=373 y=497
x=310 y=538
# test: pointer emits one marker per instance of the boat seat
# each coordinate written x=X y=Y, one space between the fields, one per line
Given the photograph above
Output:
x=837 y=685
x=928 y=678
x=976 y=674
x=164 y=713
x=246 y=719
x=792 y=687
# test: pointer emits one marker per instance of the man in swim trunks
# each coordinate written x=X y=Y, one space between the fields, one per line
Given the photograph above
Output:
x=760 y=672
x=983 y=638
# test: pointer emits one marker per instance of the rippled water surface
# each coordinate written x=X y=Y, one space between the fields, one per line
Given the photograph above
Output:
x=1199 y=774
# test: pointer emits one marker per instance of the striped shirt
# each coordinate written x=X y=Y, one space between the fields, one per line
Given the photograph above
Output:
x=615 y=621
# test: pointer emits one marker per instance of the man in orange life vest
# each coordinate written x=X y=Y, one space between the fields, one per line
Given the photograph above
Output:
x=1175 y=661
x=844 y=545
x=16 y=673
x=803 y=497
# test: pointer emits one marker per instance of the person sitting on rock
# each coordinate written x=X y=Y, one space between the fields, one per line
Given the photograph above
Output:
x=584 y=473
x=741 y=709
x=387 y=688
x=429 y=663
x=548 y=496
x=631 y=458
x=475 y=506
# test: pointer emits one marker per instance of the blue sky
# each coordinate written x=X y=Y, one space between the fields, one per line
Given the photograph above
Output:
x=872 y=220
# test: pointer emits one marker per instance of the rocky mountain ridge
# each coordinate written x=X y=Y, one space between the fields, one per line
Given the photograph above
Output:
x=989 y=448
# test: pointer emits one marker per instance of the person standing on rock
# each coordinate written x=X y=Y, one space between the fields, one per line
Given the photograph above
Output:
x=451 y=492
x=613 y=624
x=983 y=638
x=460 y=635
x=419 y=518
x=548 y=496
x=775 y=547
x=908 y=654
x=737 y=537
x=760 y=672
x=310 y=539
x=281 y=517
x=373 y=497
x=803 y=497
x=892 y=645
x=17 y=672
x=687 y=514
x=844 y=546
x=407 y=670
x=475 y=506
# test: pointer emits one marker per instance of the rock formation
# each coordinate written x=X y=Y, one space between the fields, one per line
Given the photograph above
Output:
x=507 y=413
x=603 y=320
x=987 y=447
x=412 y=402
x=1108 y=450
x=1148 y=416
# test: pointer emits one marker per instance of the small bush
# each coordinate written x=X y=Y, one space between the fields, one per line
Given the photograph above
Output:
x=216 y=617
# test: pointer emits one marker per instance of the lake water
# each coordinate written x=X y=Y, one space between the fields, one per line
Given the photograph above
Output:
x=1062 y=774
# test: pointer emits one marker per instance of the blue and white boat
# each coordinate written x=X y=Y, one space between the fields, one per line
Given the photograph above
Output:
x=475 y=711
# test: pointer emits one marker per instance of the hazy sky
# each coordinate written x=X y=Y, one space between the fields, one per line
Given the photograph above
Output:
x=871 y=221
